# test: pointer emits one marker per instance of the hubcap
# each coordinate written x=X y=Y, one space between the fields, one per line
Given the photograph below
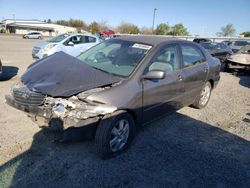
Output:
x=119 y=135
x=205 y=94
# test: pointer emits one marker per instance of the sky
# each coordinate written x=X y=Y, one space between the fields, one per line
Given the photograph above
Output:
x=203 y=17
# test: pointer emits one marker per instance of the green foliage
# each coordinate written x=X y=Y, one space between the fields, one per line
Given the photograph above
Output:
x=49 y=21
x=246 y=34
x=128 y=28
x=73 y=23
x=162 y=29
x=179 y=30
x=146 y=31
x=227 y=31
x=94 y=28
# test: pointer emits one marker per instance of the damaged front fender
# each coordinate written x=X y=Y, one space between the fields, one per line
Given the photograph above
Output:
x=73 y=111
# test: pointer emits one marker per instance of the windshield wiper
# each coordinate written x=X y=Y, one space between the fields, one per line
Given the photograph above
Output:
x=107 y=72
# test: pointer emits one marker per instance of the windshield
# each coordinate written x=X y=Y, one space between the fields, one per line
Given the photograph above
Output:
x=208 y=46
x=58 y=38
x=117 y=57
x=239 y=43
x=245 y=50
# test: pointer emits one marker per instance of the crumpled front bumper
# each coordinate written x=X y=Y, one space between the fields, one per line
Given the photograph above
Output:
x=35 y=110
x=42 y=115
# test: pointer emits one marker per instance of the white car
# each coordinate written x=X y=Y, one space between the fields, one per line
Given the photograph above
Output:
x=72 y=44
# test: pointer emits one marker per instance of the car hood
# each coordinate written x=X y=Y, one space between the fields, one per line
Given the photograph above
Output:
x=43 y=44
x=61 y=75
x=240 y=58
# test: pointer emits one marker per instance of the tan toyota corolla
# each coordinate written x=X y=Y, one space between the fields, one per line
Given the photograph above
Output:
x=115 y=86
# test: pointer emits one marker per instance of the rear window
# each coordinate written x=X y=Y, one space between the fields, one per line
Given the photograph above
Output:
x=240 y=43
x=91 y=39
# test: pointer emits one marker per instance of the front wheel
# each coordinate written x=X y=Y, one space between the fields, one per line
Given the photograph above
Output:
x=114 y=134
x=202 y=100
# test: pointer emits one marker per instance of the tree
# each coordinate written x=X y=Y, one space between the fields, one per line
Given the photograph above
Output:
x=246 y=34
x=226 y=31
x=77 y=23
x=128 y=28
x=62 y=22
x=146 y=31
x=49 y=21
x=162 y=29
x=103 y=26
x=94 y=28
x=178 y=29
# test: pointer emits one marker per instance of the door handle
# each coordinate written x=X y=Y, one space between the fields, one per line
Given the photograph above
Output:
x=179 y=78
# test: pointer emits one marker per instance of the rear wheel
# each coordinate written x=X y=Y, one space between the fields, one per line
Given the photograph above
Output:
x=114 y=134
x=202 y=100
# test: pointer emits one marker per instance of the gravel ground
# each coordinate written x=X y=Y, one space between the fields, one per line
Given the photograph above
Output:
x=190 y=148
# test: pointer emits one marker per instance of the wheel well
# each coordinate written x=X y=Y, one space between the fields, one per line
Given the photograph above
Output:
x=132 y=113
x=212 y=83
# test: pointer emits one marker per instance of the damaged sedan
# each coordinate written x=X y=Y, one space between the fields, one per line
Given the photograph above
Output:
x=239 y=61
x=115 y=86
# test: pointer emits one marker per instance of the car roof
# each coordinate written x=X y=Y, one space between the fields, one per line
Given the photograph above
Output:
x=151 y=40
x=73 y=34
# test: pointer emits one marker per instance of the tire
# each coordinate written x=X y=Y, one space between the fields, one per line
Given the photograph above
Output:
x=202 y=100
x=114 y=134
x=40 y=38
x=226 y=66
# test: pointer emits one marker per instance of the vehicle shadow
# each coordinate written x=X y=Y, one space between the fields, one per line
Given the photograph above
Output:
x=244 y=80
x=176 y=151
x=8 y=73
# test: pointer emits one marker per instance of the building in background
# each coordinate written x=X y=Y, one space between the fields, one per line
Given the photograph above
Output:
x=22 y=26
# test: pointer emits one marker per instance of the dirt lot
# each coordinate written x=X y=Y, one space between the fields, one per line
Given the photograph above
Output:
x=190 y=148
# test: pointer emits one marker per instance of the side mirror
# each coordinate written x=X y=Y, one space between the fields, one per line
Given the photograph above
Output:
x=154 y=75
x=70 y=43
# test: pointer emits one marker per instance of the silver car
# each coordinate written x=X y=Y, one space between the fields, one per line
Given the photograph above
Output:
x=33 y=35
x=72 y=44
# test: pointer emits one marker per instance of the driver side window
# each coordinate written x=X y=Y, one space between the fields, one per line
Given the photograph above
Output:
x=76 y=39
x=166 y=60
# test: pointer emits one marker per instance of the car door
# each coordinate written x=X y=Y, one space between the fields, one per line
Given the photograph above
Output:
x=74 y=49
x=195 y=70
x=163 y=96
x=87 y=42
x=31 y=35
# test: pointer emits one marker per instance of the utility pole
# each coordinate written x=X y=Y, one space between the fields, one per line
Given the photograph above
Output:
x=155 y=9
x=14 y=18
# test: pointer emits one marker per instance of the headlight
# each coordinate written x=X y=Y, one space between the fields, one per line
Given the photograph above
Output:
x=48 y=47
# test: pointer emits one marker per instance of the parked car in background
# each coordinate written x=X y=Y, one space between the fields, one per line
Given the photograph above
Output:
x=218 y=50
x=1 y=67
x=240 y=60
x=226 y=42
x=198 y=40
x=72 y=44
x=33 y=35
x=107 y=34
x=117 y=85
x=237 y=44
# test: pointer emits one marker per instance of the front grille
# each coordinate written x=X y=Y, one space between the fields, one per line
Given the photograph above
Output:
x=26 y=97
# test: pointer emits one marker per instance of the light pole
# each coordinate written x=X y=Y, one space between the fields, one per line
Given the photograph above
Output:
x=155 y=9
x=14 y=18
